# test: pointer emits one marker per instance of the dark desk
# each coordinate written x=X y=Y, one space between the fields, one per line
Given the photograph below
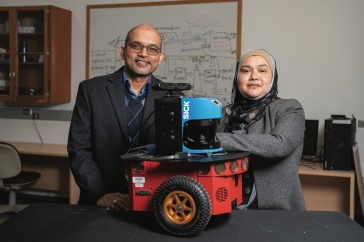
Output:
x=64 y=222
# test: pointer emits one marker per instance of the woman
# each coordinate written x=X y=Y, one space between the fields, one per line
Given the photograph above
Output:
x=271 y=129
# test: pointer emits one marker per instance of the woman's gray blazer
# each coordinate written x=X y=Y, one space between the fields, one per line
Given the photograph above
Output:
x=275 y=143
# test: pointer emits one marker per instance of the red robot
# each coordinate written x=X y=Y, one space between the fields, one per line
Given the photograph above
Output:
x=188 y=177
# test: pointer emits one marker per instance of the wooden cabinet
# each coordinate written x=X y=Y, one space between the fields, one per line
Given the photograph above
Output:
x=43 y=73
x=327 y=190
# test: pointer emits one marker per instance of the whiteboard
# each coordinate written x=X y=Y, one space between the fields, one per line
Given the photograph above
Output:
x=200 y=41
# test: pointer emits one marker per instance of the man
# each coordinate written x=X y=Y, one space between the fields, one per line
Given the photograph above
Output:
x=113 y=114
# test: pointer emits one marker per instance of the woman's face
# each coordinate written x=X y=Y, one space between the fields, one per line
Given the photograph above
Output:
x=254 y=77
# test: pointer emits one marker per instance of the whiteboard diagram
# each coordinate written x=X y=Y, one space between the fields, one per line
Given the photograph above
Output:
x=199 y=42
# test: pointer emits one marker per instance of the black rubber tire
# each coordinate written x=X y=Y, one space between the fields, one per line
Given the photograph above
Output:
x=182 y=206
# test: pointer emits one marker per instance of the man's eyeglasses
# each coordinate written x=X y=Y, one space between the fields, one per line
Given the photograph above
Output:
x=138 y=47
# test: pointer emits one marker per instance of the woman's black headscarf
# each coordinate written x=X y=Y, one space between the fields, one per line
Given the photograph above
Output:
x=243 y=111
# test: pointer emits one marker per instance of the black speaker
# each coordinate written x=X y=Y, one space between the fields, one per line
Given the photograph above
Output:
x=338 y=140
x=310 y=141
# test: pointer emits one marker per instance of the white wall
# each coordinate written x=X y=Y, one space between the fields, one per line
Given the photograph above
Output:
x=318 y=46
x=319 y=50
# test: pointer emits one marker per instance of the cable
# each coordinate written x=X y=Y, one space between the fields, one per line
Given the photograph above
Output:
x=36 y=129
x=142 y=128
x=308 y=164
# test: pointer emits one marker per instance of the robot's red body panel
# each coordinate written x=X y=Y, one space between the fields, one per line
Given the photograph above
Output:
x=222 y=181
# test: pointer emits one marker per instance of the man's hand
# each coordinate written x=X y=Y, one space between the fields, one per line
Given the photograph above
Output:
x=114 y=201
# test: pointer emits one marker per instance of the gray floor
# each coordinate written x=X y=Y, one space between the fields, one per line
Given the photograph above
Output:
x=27 y=199
x=5 y=216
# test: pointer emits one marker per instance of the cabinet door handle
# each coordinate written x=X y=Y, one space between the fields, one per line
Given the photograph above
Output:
x=12 y=75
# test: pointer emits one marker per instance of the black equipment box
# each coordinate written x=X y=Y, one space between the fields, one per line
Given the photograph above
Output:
x=338 y=140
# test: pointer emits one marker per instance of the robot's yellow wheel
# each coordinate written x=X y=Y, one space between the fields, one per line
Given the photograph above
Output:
x=179 y=207
x=182 y=206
